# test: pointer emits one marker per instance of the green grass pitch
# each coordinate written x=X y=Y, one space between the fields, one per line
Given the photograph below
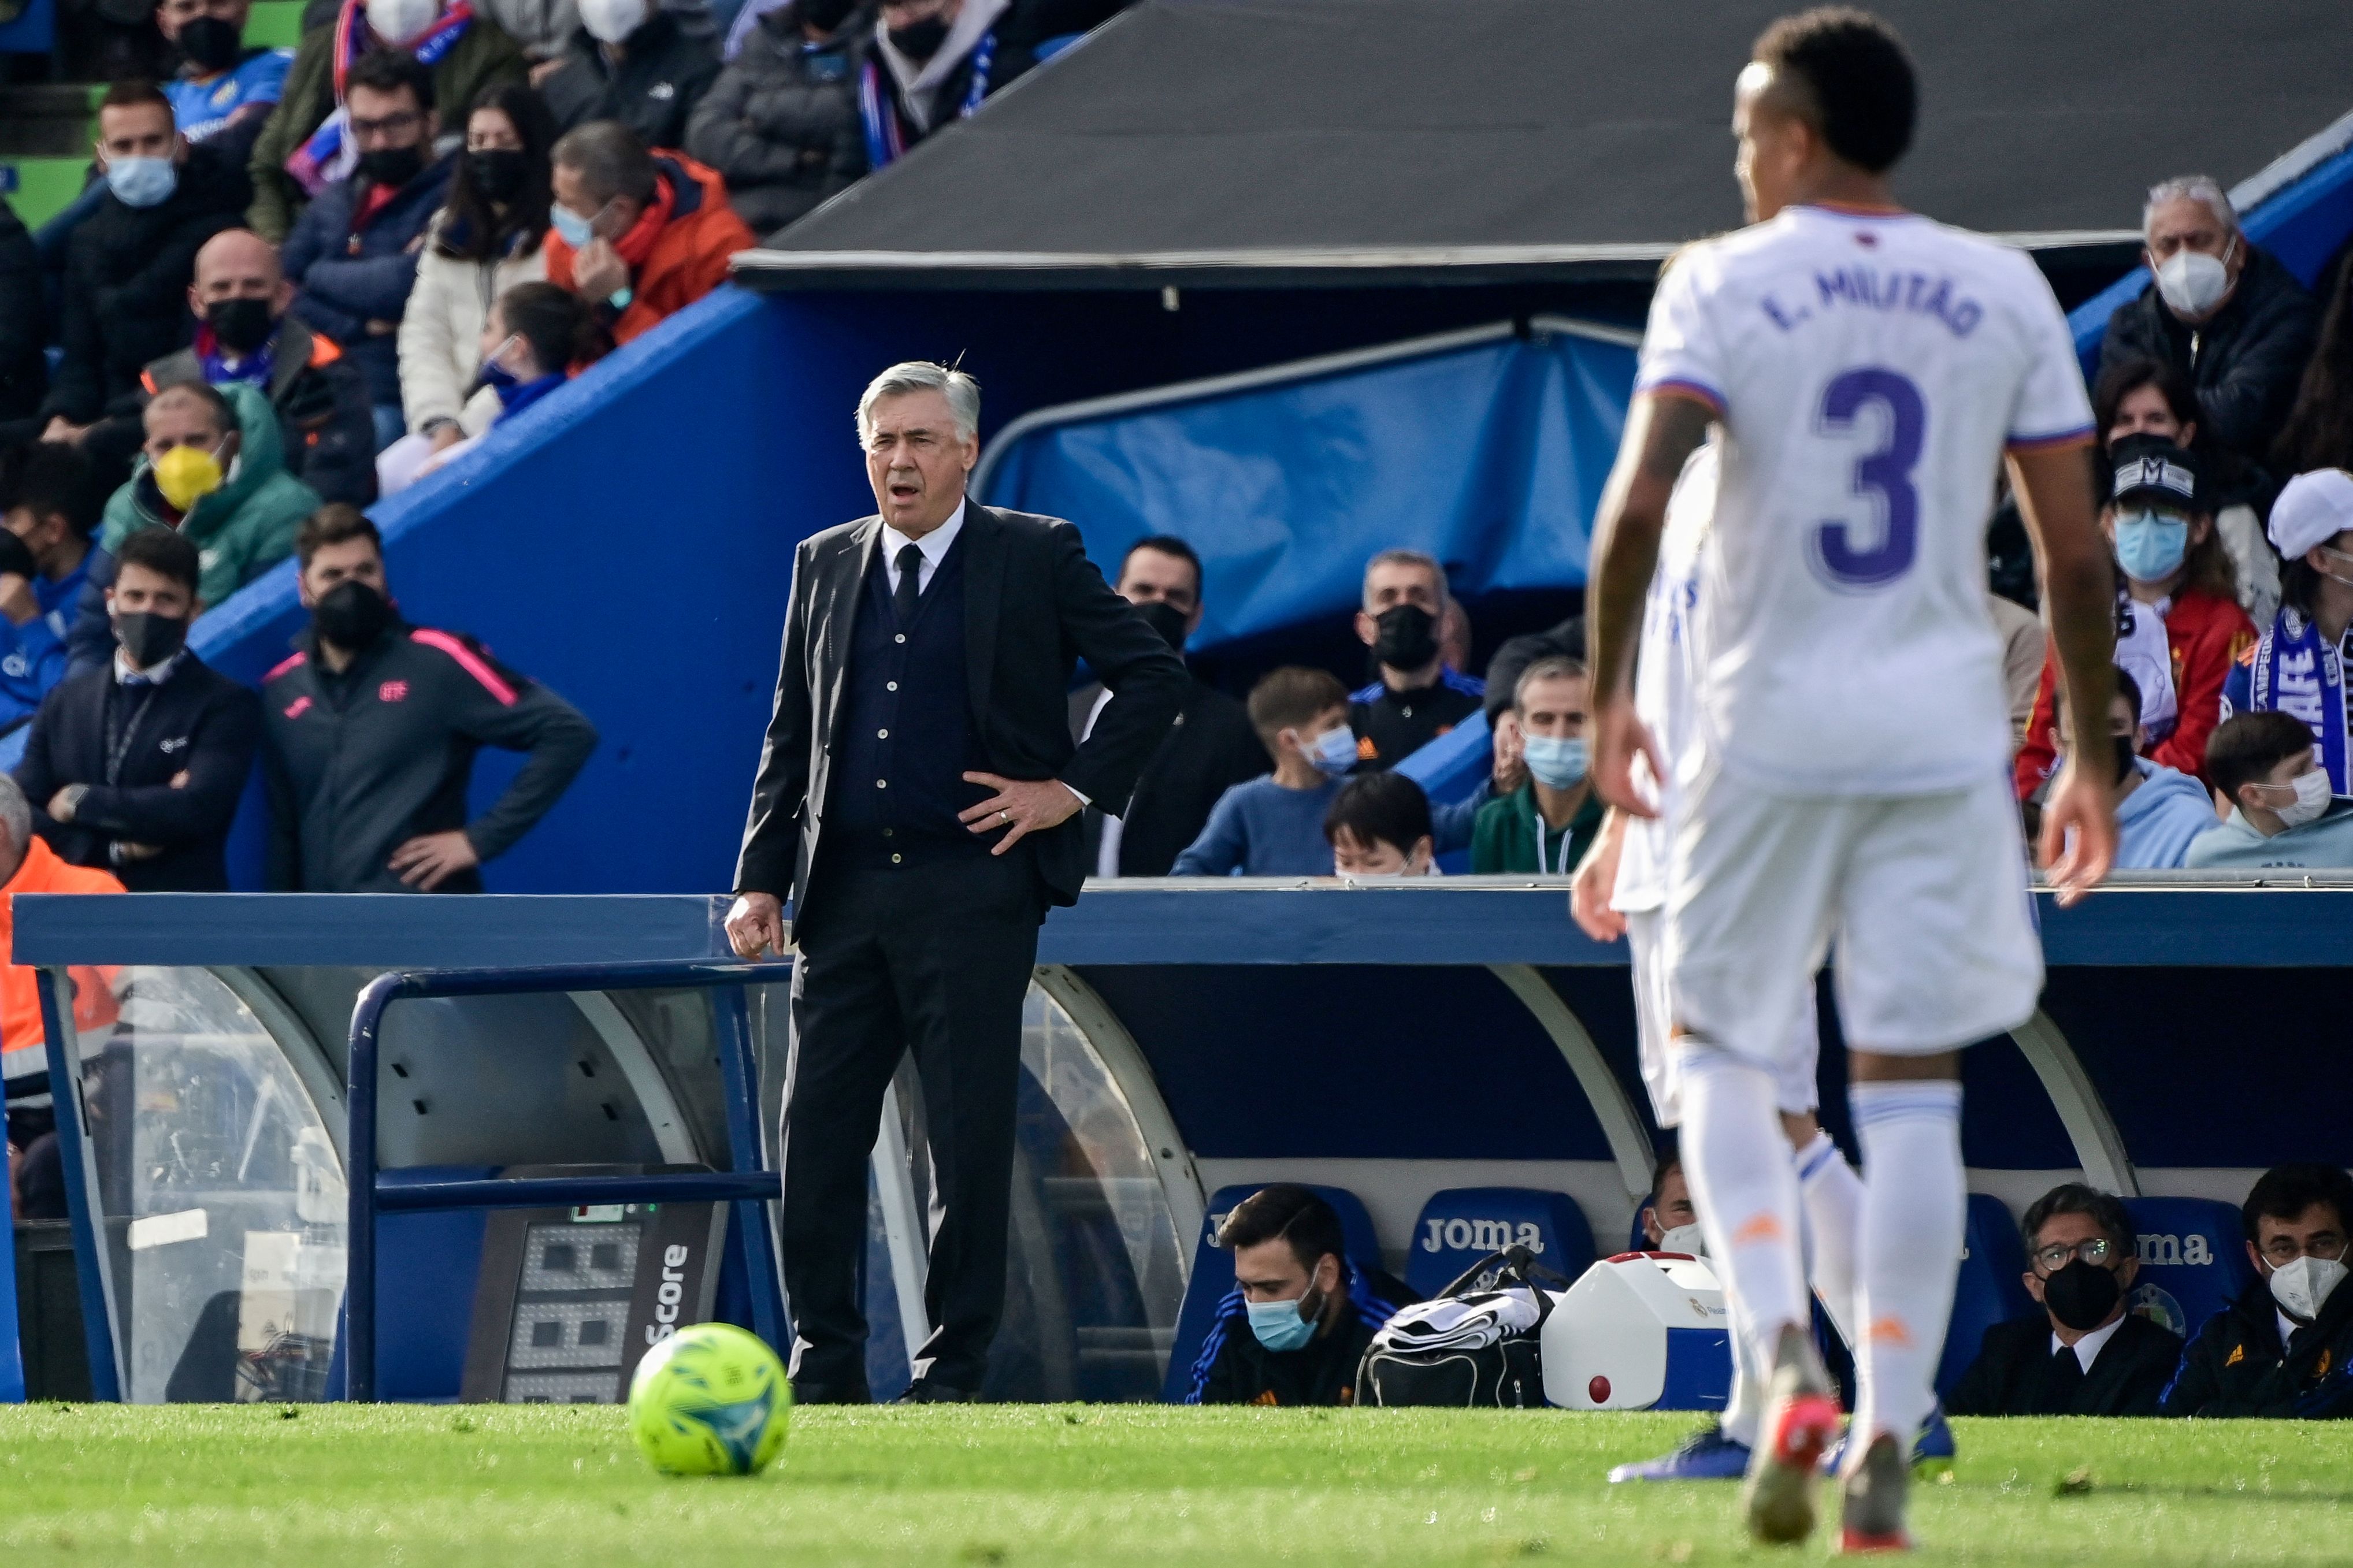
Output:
x=435 y=1486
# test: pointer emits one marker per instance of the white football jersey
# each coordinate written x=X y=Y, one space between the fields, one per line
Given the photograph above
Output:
x=1666 y=668
x=1869 y=370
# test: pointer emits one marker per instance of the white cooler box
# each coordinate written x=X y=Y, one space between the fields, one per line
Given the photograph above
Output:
x=1642 y=1330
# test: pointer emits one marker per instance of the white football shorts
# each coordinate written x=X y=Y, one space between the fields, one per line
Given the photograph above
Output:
x=1796 y=1089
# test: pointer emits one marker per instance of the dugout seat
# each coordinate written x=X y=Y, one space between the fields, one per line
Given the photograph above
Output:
x=2191 y=1260
x=1990 y=1289
x=1462 y=1225
x=1213 y=1273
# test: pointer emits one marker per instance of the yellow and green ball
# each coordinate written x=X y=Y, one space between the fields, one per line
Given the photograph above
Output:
x=709 y=1400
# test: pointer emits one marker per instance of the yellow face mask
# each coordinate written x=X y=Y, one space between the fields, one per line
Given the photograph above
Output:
x=186 y=475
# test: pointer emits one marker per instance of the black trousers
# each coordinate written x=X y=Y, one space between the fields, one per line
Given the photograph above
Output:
x=935 y=959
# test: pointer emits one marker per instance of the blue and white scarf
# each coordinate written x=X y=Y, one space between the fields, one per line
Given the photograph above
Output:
x=2299 y=673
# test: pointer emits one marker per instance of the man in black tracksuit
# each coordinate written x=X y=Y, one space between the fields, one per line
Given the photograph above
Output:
x=373 y=727
x=1296 y=1323
x=2277 y=1351
x=135 y=766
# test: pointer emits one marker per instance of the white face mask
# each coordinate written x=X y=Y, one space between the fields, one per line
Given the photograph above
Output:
x=401 y=22
x=2312 y=797
x=610 y=21
x=1684 y=1238
x=2193 y=282
x=2301 y=1287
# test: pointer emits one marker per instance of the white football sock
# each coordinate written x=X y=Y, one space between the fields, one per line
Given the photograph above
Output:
x=1747 y=1190
x=1832 y=1193
x=1915 y=1199
x=1743 y=1408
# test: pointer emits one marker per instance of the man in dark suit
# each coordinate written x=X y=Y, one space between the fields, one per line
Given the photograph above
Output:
x=1210 y=748
x=2084 y=1354
x=916 y=797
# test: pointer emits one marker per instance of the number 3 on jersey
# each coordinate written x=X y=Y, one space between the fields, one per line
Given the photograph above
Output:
x=1884 y=472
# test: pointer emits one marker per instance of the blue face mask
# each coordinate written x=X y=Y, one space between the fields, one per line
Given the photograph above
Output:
x=141 y=182
x=1278 y=1325
x=2150 y=546
x=1334 y=752
x=1556 y=764
x=570 y=227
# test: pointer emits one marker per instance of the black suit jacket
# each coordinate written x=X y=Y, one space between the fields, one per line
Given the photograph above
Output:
x=2011 y=1374
x=1033 y=605
x=1210 y=748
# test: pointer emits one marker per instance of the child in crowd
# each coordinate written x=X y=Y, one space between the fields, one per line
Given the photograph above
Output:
x=1380 y=827
x=2285 y=813
x=1273 y=826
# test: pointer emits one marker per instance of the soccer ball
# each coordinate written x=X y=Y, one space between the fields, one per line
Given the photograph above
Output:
x=709 y=1400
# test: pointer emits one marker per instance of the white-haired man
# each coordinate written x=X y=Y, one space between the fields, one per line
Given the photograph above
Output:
x=917 y=799
x=2227 y=315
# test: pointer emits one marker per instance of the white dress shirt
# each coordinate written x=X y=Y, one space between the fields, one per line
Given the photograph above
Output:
x=2087 y=1349
x=934 y=546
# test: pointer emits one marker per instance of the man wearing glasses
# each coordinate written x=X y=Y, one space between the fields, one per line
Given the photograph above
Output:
x=2084 y=1354
x=2282 y=1348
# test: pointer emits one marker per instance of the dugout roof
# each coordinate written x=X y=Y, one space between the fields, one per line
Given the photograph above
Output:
x=1245 y=142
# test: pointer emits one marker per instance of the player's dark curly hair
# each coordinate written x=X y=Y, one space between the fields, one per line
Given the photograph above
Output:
x=1858 y=74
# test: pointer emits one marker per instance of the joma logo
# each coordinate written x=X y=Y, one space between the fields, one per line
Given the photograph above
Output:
x=1480 y=1235
x=2175 y=1249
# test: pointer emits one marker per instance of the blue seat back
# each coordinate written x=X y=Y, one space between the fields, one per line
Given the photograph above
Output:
x=1462 y=1225
x=2192 y=1262
x=1213 y=1273
x=1991 y=1287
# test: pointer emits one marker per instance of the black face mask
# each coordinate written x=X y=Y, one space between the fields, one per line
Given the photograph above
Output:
x=351 y=615
x=1167 y=620
x=210 y=44
x=2082 y=1294
x=498 y=173
x=2125 y=755
x=148 y=638
x=1407 y=638
x=240 y=326
x=920 y=40
x=394 y=166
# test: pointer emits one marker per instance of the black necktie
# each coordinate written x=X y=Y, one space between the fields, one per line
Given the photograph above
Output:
x=911 y=581
x=2066 y=1377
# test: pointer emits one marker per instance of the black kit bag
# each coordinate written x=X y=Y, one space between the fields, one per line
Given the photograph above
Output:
x=1478 y=1349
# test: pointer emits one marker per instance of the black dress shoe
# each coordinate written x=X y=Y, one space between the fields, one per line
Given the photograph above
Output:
x=830 y=1393
x=929 y=1391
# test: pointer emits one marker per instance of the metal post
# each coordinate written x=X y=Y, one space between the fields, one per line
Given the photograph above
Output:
x=755 y=1243
x=359 y=1239
x=64 y=1052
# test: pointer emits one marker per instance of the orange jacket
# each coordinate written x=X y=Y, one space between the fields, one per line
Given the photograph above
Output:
x=2205 y=635
x=677 y=252
x=20 y=996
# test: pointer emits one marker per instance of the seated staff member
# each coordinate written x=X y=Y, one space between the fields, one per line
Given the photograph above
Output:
x=2285 y=1348
x=1546 y=826
x=1296 y=1323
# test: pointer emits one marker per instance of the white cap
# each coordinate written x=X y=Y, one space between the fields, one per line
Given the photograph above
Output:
x=2313 y=509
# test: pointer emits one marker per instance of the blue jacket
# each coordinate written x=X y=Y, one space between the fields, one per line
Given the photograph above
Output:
x=348 y=279
x=203 y=110
x=2157 y=823
x=33 y=655
x=2326 y=845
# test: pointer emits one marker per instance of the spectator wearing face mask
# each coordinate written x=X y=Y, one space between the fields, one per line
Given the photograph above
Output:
x=51 y=504
x=2160 y=812
x=1417 y=698
x=2286 y=1347
x=2226 y=315
x=223 y=92
x=2298 y=667
x=2284 y=812
x=486 y=239
x=1565 y=640
x=352 y=254
x=2149 y=398
x=127 y=270
x=1670 y=1219
x=1379 y=825
x=1211 y=746
x=1274 y=826
x=240 y=300
x=136 y=766
x=535 y=335
x=632 y=62
x=2177 y=572
x=372 y=728
x=639 y=235
x=308 y=142
x=781 y=123
x=1545 y=826
x=2084 y=1354
x=1295 y=1325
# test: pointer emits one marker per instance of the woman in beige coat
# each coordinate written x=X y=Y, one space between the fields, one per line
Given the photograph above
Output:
x=486 y=240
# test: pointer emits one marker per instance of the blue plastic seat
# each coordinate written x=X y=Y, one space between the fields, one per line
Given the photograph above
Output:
x=1213 y=1273
x=2192 y=1260
x=1991 y=1287
x=1462 y=1225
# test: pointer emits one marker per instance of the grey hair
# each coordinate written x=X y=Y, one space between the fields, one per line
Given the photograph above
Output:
x=609 y=159
x=16 y=814
x=961 y=391
x=2201 y=188
x=1427 y=562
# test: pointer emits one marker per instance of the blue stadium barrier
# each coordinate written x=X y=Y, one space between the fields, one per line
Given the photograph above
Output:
x=1990 y=1289
x=1213 y=1274
x=1460 y=1225
x=2193 y=1260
